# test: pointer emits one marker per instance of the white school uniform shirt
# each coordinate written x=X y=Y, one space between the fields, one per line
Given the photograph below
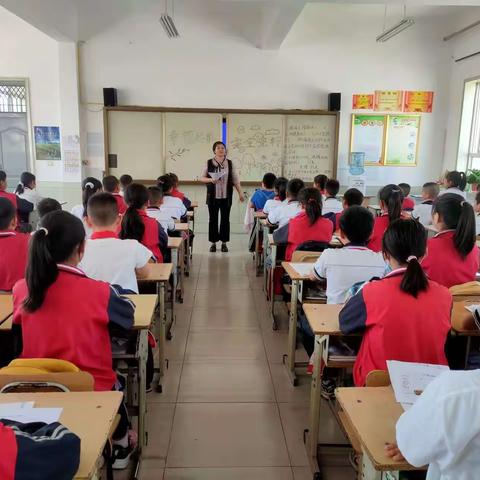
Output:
x=284 y=213
x=344 y=267
x=173 y=206
x=30 y=195
x=271 y=205
x=162 y=217
x=423 y=212
x=454 y=190
x=77 y=210
x=443 y=427
x=332 y=205
x=114 y=261
x=477 y=223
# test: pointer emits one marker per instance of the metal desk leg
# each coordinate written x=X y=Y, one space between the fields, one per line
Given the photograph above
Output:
x=369 y=472
x=272 y=286
x=292 y=335
x=142 y=387
x=257 y=246
x=265 y=250
x=174 y=254
x=187 y=264
x=161 y=333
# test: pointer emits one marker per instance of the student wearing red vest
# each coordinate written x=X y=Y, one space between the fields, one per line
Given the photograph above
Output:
x=112 y=185
x=308 y=225
x=137 y=225
x=13 y=247
x=3 y=189
x=391 y=198
x=22 y=207
x=319 y=183
x=404 y=316
x=453 y=256
x=177 y=193
x=351 y=197
x=408 y=203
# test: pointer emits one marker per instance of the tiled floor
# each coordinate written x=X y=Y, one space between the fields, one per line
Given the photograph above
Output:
x=228 y=411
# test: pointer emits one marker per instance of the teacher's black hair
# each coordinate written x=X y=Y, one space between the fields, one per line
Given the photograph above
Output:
x=216 y=144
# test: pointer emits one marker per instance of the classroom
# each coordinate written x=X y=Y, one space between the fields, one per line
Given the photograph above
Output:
x=239 y=240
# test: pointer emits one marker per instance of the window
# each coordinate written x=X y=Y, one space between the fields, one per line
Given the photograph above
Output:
x=13 y=97
x=473 y=160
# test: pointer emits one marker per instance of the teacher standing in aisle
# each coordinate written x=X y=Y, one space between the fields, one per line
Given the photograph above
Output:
x=220 y=177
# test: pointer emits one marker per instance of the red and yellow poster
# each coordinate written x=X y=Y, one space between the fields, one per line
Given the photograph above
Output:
x=388 y=100
x=421 y=102
x=362 y=101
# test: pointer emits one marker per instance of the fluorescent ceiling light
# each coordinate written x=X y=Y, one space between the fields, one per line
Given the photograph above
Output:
x=168 y=24
x=397 y=28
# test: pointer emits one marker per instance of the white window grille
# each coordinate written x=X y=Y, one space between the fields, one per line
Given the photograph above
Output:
x=13 y=97
x=474 y=143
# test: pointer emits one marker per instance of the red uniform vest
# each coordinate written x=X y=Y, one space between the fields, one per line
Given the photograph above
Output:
x=8 y=457
x=178 y=194
x=13 y=258
x=122 y=206
x=9 y=196
x=379 y=227
x=408 y=204
x=443 y=263
x=300 y=230
x=150 y=237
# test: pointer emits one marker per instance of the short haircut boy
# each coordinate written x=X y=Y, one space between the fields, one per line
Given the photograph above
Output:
x=47 y=205
x=357 y=224
x=431 y=189
x=332 y=187
x=320 y=181
x=126 y=180
x=269 y=180
x=405 y=189
x=353 y=196
x=7 y=213
x=102 y=209
x=110 y=183
x=294 y=186
x=155 y=195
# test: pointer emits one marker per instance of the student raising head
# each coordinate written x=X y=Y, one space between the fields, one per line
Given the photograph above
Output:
x=291 y=208
x=452 y=253
x=112 y=185
x=261 y=196
x=26 y=188
x=423 y=211
x=13 y=247
x=354 y=263
x=319 y=183
x=90 y=186
x=106 y=257
x=177 y=193
x=391 y=198
x=307 y=226
x=280 y=189
x=55 y=290
x=332 y=204
x=47 y=205
x=455 y=182
x=125 y=181
x=351 y=197
x=155 y=200
x=405 y=316
x=171 y=205
x=408 y=203
x=137 y=225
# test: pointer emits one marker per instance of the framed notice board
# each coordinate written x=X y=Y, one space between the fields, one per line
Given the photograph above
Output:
x=368 y=136
x=401 y=147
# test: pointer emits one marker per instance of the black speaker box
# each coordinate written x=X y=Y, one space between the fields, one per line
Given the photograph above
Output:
x=334 y=102
x=110 y=97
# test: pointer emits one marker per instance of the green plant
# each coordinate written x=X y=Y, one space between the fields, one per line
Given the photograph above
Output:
x=473 y=176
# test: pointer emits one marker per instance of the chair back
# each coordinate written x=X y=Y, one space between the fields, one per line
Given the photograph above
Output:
x=378 y=378
x=466 y=291
x=300 y=256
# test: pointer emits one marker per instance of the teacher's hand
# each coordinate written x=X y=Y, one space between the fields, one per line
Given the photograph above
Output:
x=241 y=198
x=212 y=180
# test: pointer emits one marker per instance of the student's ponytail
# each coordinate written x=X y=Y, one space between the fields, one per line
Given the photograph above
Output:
x=136 y=197
x=280 y=187
x=90 y=186
x=456 y=179
x=26 y=179
x=406 y=242
x=311 y=200
x=55 y=242
x=457 y=214
x=392 y=197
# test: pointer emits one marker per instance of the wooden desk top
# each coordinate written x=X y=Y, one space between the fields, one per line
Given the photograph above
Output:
x=270 y=239
x=174 y=242
x=260 y=215
x=181 y=227
x=292 y=273
x=144 y=309
x=462 y=320
x=194 y=205
x=190 y=214
x=373 y=414
x=87 y=414
x=158 y=272
x=6 y=306
x=323 y=319
x=374 y=207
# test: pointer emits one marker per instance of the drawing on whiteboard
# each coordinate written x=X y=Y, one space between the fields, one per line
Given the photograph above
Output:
x=189 y=137
x=174 y=156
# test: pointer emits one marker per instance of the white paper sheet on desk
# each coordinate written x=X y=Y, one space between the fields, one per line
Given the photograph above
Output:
x=303 y=269
x=217 y=175
x=408 y=378
x=25 y=412
x=471 y=307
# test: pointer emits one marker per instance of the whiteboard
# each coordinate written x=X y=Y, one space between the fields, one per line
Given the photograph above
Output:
x=188 y=141
x=402 y=140
x=255 y=144
x=368 y=134
x=137 y=141
x=309 y=146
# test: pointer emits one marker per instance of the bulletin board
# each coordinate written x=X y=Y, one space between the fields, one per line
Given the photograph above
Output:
x=368 y=136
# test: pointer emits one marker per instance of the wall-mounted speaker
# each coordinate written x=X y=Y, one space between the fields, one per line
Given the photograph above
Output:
x=334 y=102
x=110 y=97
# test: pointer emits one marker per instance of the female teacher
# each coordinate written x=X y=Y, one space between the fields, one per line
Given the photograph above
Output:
x=220 y=177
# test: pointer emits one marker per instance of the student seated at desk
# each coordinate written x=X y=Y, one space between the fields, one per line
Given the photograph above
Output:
x=351 y=197
x=22 y=207
x=307 y=226
x=106 y=257
x=90 y=186
x=344 y=267
x=177 y=193
x=47 y=205
x=391 y=198
x=455 y=182
x=125 y=181
x=280 y=189
x=112 y=185
x=332 y=204
x=262 y=195
x=319 y=183
x=453 y=256
x=423 y=211
x=291 y=208
x=154 y=210
x=58 y=312
x=26 y=189
x=13 y=247
x=171 y=205
x=137 y=225
x=404 y=316
x=408 y=203
x=442 y=429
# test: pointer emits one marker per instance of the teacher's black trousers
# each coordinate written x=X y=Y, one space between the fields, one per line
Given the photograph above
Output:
x=219 y=206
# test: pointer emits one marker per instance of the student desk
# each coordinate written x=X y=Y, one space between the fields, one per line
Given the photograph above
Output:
x=184 y=227
x=463 y=324
x=267 y=229
x=258 y=227
x=175 y=245
x=89 y=415
x=377 y=210
x=6 y=311
x=191 y=211
x=373 y=413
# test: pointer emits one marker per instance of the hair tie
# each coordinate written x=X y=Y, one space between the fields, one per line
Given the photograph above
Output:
x=89 y=185
x=311 y=200
x=462 y=203
x=21 y=184
x=43 y=229
x=411 y=257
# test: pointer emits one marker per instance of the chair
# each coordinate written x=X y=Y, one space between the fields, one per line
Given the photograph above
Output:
x=300 y=256
x=378 y=378
x=466 y=291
